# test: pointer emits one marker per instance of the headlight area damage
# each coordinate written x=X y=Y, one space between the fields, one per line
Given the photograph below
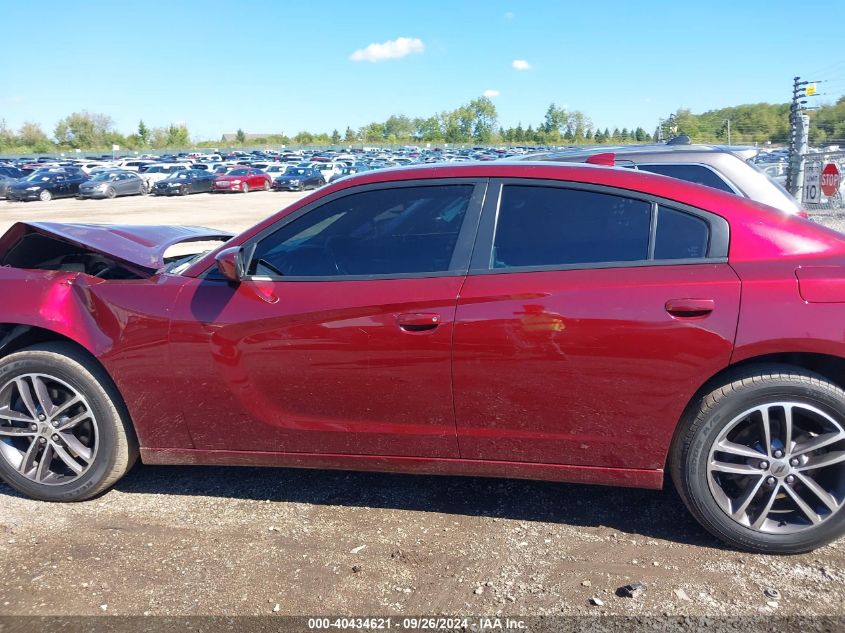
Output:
x=80 y=280
x=102 y=251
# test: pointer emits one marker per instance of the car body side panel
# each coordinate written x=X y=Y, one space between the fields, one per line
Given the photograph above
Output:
x=124 y=324
x=775 y=318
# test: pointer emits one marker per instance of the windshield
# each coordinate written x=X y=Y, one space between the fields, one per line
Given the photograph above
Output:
x=104 y=176
x=155 y=170
x=180 y=175
x=36 y=177
x=237 y=172
x=296 y=172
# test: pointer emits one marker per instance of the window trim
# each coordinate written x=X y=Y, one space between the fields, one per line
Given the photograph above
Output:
x=461 y=255
x=481 y=264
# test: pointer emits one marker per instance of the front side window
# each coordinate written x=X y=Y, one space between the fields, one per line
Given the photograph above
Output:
x=551 y=226
x=403 y=230
x=698 y=174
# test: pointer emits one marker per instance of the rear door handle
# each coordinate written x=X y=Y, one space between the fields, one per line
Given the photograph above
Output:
x=418 y=322
x=689 y=308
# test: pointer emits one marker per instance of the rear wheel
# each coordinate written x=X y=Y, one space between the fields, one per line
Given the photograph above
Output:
x=64 y=432
x=761 y=462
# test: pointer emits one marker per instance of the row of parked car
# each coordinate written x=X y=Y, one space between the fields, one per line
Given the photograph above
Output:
x=731 y=169
x=184 y=174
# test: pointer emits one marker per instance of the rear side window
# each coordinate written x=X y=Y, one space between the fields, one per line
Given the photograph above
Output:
x=698 y=174
x=680 y=235
x=550 y=226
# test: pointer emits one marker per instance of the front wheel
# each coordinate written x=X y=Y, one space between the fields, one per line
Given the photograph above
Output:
x=245 y=188
x=64 y=432
x=266 y=185
x=110 y=193
x=45 y=196
x=761 y=461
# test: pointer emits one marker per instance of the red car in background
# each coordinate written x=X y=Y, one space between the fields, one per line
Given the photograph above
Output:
x=560 y=322
x=241 y=179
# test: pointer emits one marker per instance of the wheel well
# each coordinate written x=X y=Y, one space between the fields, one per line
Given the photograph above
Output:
x=15 y=337
x=830 y=367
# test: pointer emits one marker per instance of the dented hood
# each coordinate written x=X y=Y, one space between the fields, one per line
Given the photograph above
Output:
x=139 y=246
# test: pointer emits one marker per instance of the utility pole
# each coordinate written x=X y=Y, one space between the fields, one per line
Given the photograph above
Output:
x=799 y=124
x=729 y=131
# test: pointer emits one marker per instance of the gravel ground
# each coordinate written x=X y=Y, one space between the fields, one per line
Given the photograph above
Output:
x=242 y=541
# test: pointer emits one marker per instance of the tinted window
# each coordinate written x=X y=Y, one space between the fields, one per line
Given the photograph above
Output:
x=680 y=235
x=389 y=231
x=699 y=174
x=546 y=226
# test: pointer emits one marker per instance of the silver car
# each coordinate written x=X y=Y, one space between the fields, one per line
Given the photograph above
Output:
x=110 y=184
x=726 y=168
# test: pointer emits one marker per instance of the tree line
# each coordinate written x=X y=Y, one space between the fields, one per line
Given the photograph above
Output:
x=473 y=123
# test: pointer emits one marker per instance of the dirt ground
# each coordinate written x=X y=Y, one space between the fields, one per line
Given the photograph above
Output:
x=244 y=541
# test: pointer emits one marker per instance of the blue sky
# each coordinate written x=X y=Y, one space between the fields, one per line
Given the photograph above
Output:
x=281 y=66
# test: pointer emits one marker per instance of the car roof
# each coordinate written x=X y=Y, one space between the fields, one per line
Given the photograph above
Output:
x=667 y=153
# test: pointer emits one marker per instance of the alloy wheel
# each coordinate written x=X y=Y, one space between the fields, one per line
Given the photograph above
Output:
x=48 y=432
x=779 y=468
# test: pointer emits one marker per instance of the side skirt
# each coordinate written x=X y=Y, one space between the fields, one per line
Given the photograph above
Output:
x=628 y=477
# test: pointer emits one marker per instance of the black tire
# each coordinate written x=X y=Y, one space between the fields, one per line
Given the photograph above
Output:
x=184 y=191
x=45 y=196
x=690 y=453
x=117 y=445
x=245 y=188
x=110 y=193
x=266 y=185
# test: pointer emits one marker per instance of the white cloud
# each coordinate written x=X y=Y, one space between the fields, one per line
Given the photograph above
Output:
x=391 y=49
x=491 y=93
x=521 y=64
x=509 y=16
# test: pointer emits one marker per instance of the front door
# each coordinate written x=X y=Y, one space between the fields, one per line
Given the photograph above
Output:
x=340 y=339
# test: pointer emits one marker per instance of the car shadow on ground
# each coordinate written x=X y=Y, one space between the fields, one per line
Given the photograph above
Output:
x=649 y=513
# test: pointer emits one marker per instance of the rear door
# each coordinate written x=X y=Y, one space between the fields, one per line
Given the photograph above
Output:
x=589 y=318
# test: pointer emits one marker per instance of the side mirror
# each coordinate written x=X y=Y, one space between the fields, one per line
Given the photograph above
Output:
x=230 y=263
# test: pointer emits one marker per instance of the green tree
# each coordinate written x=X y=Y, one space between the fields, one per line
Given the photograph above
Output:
x=143 y=133
x=240 y=136
x=177 y=136
x=84 y=130
x=31 y=134
x=350 y=136
x=304 y=138
x=335 y=137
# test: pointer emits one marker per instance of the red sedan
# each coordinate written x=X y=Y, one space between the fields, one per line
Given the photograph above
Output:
x=558 y=322
x=241 y=179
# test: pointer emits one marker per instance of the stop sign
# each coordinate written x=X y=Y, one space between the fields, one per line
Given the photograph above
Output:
x=830 y=179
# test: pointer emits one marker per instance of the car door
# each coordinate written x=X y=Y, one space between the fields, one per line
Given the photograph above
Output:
x=338 y=340
x=59 y=186
x=588 y=320
x=122 y=184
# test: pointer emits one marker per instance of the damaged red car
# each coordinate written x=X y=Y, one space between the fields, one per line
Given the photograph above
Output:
x=557 y=322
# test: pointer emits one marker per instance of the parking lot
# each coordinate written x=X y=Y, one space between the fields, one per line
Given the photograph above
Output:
x=197 y=540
